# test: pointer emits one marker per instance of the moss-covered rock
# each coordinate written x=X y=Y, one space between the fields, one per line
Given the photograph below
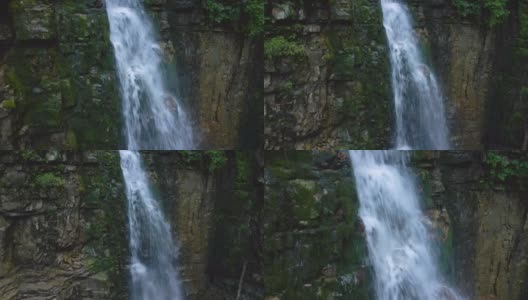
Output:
x=33 y=20
x=314 y=247
x=329 y=88
x=60 y=74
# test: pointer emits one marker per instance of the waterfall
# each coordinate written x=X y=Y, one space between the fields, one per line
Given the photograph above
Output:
x=153 y=252
x=154 y=118
x=397 y=232
x=418 y=102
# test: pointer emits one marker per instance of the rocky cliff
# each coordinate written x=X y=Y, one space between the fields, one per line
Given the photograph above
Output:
x=326 y=76
x=486 y=214
x=315 y=247
x=63 y=223
x=50 y=215
x=475 y=202
x=462 y=52
x=481 y=56
x=58 y=84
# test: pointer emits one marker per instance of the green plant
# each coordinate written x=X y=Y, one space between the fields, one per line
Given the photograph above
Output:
x=220 y=12
x=495 y=11
x=503 y=168
x=280 y=46
x=254 y=9
x=30 y=155
x=216 y=159
x=191 y=156
x=248 y=16
x=467 y=8
x=212 y=159
x=48 y=180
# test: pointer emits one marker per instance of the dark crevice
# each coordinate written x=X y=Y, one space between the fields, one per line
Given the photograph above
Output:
x=4 y=12
x=37 y=43
x=496 y=279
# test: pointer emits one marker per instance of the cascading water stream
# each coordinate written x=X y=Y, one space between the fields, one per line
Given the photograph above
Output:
x=398 y=234
x=418 y=102
x=153 y=252
x=154 y=118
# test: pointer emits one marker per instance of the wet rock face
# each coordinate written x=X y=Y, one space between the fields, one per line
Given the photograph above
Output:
x=462 y=52
x=59 y=238
x=57 y=82
x=216 y=73
x=482 y=70
x=333 y=91
x=44 y=224
x=314 y=238
x=209 y=213
x=188 y=196
x=486 y=222
x=58 y=86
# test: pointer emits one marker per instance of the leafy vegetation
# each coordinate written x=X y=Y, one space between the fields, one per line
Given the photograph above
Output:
x=216 y=159
x=494 y=11
x=504 y=167
x=47 y=180
x=248 y=16
x=279 y=46
x=29 y=155
x=212 y=159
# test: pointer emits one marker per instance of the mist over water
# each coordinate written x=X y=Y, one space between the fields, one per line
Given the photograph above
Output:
x=397 y=232
x=418 y=101
x=154 y=118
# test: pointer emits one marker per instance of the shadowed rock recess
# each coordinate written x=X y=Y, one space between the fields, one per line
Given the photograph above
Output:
x=58 y=84
x=315 y=243
x=63 y=223
x=327 y=74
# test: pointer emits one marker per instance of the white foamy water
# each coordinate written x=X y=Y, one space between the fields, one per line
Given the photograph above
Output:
x=418 y=101
x=153 y=252
x=154 y=118
x=398 y=239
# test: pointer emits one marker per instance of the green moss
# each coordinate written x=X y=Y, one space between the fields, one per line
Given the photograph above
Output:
x=211 y=160
x=30 y=155
x=247 y=17
x=71 y=140
x=315 y=248
x=358 y=61
x=107 y=236
x=503 y=166
x=69 y=96
x=9 y=104
x=14 y=80
x=48 y=180
x=46 y=113
x=279 y=46
x=216 y=159
x=495 y=12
